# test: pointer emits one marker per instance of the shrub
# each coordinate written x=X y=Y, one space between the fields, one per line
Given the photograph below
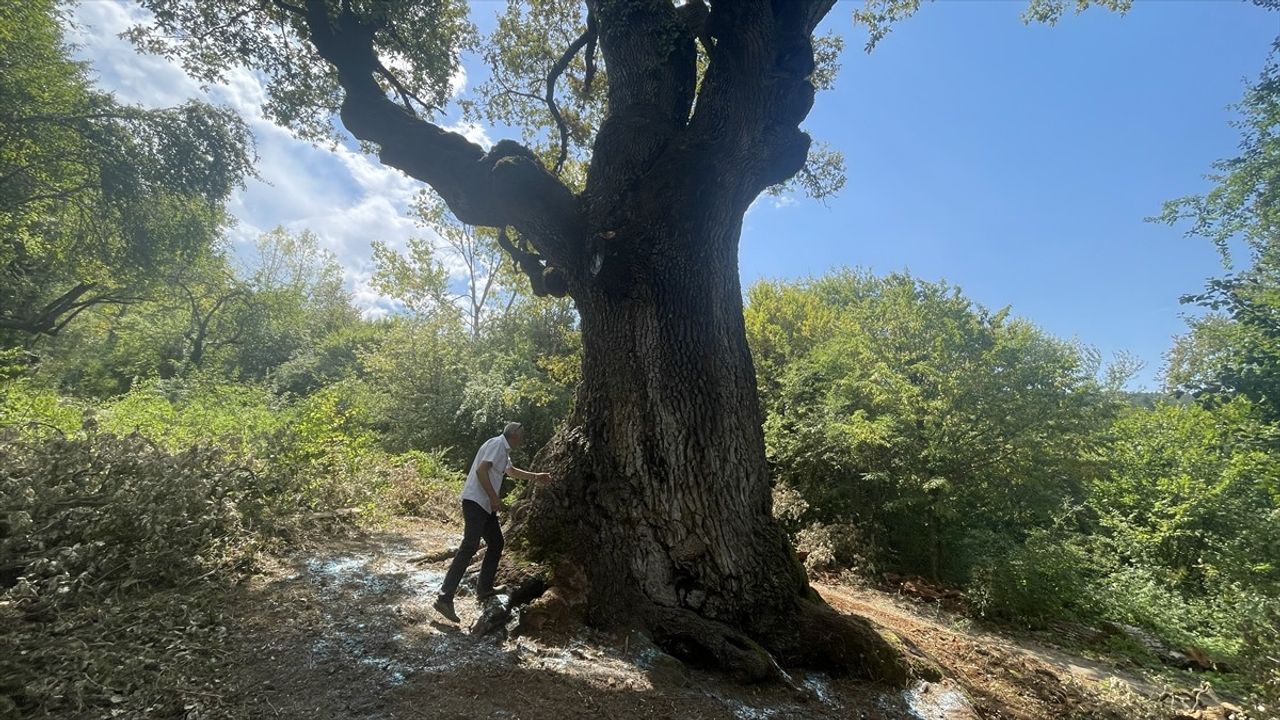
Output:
x=35 y=411
x=835 y=547
x=1262 y=647
x=1046 y=577
x=103 y=542
x=179 y=413
x=424 y=485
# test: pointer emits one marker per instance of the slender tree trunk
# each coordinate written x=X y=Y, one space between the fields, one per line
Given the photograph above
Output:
x=935 y=542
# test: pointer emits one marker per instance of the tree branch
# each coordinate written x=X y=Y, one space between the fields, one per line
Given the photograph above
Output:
x=556 y=70
x=57 y=313
x=506 y=186
x=593 y=34
x=543 y=279
x=757 y=90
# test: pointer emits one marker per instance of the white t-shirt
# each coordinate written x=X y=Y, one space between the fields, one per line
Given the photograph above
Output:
x=498 y=452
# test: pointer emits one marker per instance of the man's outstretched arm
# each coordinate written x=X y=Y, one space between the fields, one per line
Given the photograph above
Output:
x=519 y=474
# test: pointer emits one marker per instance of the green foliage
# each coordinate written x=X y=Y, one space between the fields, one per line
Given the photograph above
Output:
x=1184 y=531
x=34 y=411
x=421 y=42
x=1245 y=201
x=178 y=414
x=424 y=485
x=880 y=16
x=284 y=318
x=1235 y=351
x=1187 y=496
x=1046 y=577
x=936 y=426
x=914 y=431
x=100 y=201
x=420 y=370
x=114 y=545
x=294 y=297
x=333 y=357
x=416 y=280
x=456 y=366
x=523 y=49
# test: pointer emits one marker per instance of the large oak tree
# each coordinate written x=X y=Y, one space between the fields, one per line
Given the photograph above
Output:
x=629 y=200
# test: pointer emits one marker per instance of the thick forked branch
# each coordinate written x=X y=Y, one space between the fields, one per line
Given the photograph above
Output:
x=544 y=280
x=506 y=186
x=57 y=313
x=652 y=74
x=757 y=88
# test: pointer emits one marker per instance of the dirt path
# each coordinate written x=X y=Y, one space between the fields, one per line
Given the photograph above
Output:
x=1007 y=678
x=344 y=629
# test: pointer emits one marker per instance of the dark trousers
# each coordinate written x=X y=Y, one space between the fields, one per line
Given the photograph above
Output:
x=479 y=524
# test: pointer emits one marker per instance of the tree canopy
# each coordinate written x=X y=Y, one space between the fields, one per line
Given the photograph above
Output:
x=99 y=201
x=1235 y=350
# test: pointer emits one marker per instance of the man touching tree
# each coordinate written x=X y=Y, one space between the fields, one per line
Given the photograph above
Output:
x=481 y=502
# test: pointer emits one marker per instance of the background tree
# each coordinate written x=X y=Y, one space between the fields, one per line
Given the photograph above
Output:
x=937 y=432
x=1236 y=350
x=295 y=297
x=477 y=251
x=98 y=200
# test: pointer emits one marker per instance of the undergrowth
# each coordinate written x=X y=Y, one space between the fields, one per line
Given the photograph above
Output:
x=117 y=552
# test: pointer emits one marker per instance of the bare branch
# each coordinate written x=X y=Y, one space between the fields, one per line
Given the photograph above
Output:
x=526 y=262
x=556 y=70
x=593 y=33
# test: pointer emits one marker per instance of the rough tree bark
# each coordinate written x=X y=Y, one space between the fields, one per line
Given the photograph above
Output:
x=662 y=494
x=661 y=497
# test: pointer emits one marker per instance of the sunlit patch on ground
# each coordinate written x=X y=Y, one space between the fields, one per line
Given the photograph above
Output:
x=932 y=701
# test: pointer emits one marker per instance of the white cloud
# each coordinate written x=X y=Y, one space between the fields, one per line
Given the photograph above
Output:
x=345 y=197
x=472 y=132
x=458 y=81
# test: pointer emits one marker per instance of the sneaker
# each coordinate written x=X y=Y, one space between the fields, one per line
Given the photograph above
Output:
x=491 y=592
x=444 y=606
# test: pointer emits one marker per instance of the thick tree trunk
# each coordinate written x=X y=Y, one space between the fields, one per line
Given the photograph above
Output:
x=662 y=496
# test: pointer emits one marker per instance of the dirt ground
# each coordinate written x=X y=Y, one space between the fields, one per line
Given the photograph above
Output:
x=344 y=629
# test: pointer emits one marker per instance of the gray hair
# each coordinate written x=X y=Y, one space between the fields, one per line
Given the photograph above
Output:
x=513 y=428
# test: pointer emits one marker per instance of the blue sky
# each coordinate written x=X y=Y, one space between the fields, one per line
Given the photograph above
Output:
x=1015 y=161
x=1019 y=162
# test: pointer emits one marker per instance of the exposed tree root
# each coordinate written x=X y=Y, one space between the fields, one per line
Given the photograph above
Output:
x=497 y=615
x=700 y=641
x=820 y=637
x=447 y=553
x=823 y=638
